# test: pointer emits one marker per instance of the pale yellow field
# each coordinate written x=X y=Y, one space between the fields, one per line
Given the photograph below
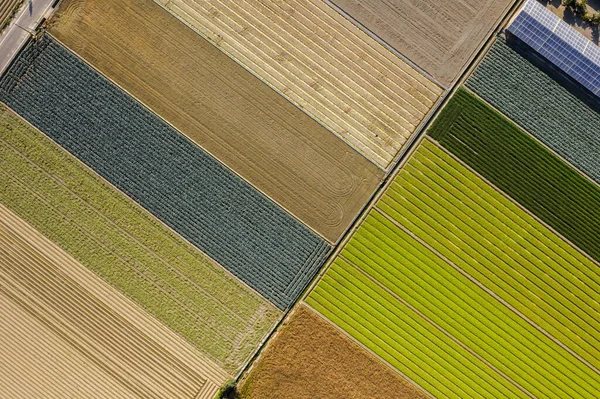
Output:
x=64 y=333
x=324 y=64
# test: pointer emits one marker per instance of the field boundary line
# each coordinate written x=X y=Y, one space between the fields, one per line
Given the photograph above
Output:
x=152 y=217
x=369 y=351
x=436 y=326
x=330 y=243
x=551 y=150
x=513 y=201
x=488 y=290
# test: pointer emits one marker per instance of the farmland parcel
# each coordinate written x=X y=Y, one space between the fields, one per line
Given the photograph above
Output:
x=163 y=171
x=464 y=292
x=324 y=64
x=439 y=36
x=521 y=167
x=128 y=248
x=541 y=105
x=223 y=108
x=309 y=358
x=66 y=333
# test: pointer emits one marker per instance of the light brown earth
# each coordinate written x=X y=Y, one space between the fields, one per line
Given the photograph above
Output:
x=64 y=333
x=223 y=108
x=309 y=358
x=582 y=27
x=320 y=61
x=439 y=36
x=7 y=10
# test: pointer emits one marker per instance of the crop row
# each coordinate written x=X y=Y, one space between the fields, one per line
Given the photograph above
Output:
x=163 y=171
x=521 y=167
x=385 y=276
x=128 y=248
x=541 y=105
x=499 y=244
x=375 y=317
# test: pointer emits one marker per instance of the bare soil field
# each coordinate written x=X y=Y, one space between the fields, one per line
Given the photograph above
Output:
x=309 y=358
x=438 y=36
x=323 y=63
x=8 y=8
x=223 y=108
x=66 y=333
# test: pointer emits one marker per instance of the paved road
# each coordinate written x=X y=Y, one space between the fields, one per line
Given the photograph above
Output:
x=19 y=30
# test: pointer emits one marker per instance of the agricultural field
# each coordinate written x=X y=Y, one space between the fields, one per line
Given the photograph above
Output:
x=440 y=37
x=8 y=8
x=171 y=177
x=464 y=292
x=324 y=64
x=309 y=358
x=521 y=167
x=541 y=105
x=223 y=108
x=128 y=248
x=66 y=331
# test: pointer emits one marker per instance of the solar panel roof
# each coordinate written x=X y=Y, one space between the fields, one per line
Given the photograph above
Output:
x=558 y=42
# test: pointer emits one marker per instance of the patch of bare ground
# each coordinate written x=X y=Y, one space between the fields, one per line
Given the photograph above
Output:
x=439 y=36
x=586 y=29
x=223 y=108
x=64 y=333
x=309 y=358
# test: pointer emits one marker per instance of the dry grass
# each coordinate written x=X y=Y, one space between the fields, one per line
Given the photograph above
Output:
x=223 y=108
x=309 y=358
x=323 y=63
x=66 y=333
x=439 y=36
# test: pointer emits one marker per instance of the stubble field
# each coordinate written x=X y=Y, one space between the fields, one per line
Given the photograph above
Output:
x=222 y=108
x=65 y=331
x=310 y=359
x=323 y=63
x=439 y=37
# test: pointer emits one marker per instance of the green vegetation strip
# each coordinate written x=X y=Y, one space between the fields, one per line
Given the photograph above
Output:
x=521 y=167
x=464 y=221
x=129 y=248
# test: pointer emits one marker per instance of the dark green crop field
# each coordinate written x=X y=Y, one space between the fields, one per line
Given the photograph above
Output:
x=174 y=179
x=541 y=105
x=521 y=167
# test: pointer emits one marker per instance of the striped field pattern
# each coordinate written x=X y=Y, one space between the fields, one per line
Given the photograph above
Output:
x=321 y=62
x=464 y=292
x=163 y=171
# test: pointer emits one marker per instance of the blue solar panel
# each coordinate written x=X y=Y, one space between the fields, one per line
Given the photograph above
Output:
x=562 y=45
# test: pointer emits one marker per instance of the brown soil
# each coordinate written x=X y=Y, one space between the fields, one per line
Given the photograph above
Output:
x=66 y=333
x=577 y=23
x=323 y=63
x=223 y=108
x=309 y=358
x=439 y=36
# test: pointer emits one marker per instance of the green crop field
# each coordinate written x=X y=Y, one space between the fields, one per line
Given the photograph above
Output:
x=129 y=248
x=464 y=292
x=521 y=167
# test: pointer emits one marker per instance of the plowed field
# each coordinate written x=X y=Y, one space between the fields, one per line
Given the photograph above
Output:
x=66 y=333
x=223 y=108
x=311 y=359
x=439 y=36
x=320 y=61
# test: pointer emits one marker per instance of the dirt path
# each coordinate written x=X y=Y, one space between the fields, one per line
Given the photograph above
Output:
x=87 y=335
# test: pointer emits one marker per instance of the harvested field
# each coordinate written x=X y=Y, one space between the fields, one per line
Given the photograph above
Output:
x=128 y=248
x=309 y=358
x=541 y=105
x=223 y=108
x=464 y=292
x=440 y=37
x=178 y=182
x=66 y=333
x=324 y=64
x=521 y=167
x=8 y=8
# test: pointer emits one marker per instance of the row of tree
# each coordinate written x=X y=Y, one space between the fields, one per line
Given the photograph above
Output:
x=579 y=8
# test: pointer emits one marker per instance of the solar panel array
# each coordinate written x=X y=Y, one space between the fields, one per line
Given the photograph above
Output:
x=562 y=45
